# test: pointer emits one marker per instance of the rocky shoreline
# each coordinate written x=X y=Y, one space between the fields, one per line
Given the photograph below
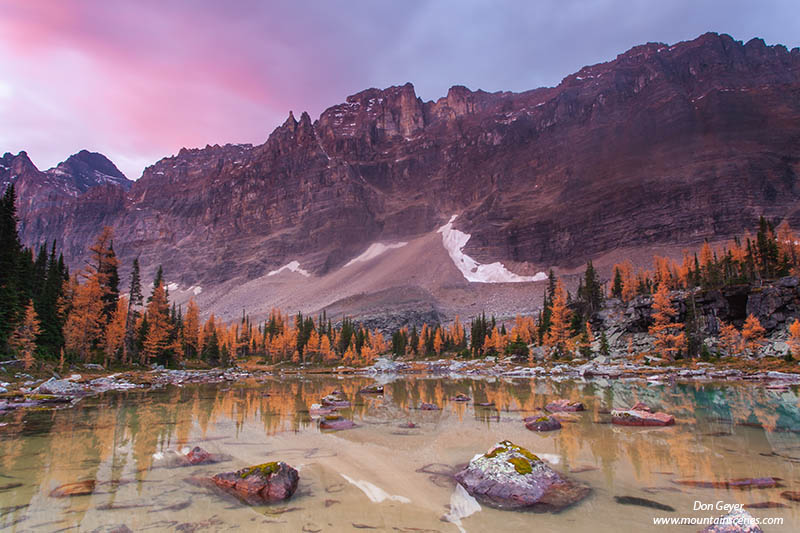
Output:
x=22 y=390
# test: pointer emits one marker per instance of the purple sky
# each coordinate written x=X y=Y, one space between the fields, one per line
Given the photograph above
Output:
x=139 y=80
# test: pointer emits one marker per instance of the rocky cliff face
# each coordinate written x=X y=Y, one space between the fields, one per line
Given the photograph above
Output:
x=665 y=145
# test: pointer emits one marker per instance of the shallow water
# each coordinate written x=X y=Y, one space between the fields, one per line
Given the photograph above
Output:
x=381 y=477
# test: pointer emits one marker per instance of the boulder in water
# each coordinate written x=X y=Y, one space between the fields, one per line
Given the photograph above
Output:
x=633 y=417
x=737 y=521
x=268 y=482
x=542 y=423
x=510 y=477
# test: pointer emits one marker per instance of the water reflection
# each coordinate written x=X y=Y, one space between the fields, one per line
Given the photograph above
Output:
x=723 y=431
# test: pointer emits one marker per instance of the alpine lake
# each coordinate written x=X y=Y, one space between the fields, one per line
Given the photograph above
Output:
x=394 y=471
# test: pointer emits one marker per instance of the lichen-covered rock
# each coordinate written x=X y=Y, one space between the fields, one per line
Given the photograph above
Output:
x=542 y=422
x=737 y=521
x=268 y=482
x=510 y=477
x=564 y=405
x=633 y=417
x=335 y=423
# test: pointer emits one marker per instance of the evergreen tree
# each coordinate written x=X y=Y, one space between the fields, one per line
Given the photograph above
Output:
x=10 y=276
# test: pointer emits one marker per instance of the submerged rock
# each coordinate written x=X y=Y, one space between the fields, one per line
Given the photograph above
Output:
x=745 y=483
x=564 y=405
x=268 y=482
x=791 y=495
x=81 y=488
x=633 y=417
x=372 y=389
x=737 y=521
x=643 y=502
x=510 y=477
x=428 y=406
x=335 y=423
x=460 y=397
x=542 y=423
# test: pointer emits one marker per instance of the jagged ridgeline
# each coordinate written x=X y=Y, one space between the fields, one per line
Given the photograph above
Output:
x=662 y=146
x=680 y=308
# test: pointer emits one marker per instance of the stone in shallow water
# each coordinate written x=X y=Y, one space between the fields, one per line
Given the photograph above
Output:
x=428 y=406
x=460 y=397
x=268 y=482
x=564 y=405
x=372 y=389
x=335 y=399
x=745 y=483
x=791 y=495
x=81 y=488
x=59 y=387
x=542 y=423
x=510 y=477
x=335 y=423
x=633 y=417
x=737 y=521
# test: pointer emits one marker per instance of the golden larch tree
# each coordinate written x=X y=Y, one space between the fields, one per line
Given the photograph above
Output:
x=794 y=338
x=23 y=340
x=115 y=331
x=557 y=340
x=752 y=334
x=84 y=326
x=158 y=332
x=191 y=330
x=729 y=339
x=669 y=337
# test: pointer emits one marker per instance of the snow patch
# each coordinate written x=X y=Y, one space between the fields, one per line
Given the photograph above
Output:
x=462 y=505
x=293 y=266
x=375 y=249
x=374 y=493
x=454 y=241
x=172 y=287
x=196 y=289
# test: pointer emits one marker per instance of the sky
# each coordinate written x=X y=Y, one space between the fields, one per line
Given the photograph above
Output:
x=138 y=80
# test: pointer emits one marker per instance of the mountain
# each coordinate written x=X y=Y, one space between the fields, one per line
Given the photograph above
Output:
x=386 y=200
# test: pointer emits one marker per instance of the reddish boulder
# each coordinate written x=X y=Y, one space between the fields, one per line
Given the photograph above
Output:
x=268 y=482
x=639 y=406
x=633 y=417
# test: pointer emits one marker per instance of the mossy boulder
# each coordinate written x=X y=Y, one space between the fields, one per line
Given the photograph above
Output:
x=542 y=422
x=510 y=477
x=258 y=484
